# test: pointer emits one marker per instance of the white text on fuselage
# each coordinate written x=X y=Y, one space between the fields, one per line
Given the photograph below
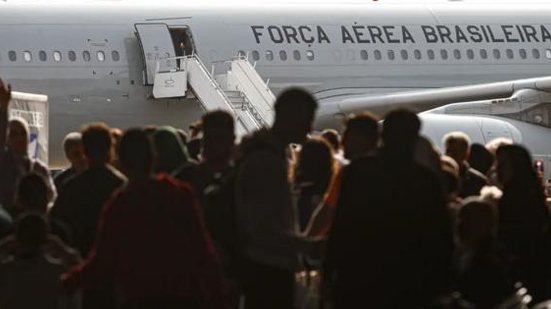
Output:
x=392 y=34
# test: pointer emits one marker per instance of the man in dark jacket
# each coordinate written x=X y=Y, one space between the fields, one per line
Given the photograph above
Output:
x=83 y=197
x=263 y=201
x=390 y=245
x=458 y=147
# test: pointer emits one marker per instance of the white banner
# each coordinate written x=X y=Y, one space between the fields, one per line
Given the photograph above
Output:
x=34 y=109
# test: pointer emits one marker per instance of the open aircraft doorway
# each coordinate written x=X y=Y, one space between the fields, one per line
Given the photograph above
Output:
x=158 y=42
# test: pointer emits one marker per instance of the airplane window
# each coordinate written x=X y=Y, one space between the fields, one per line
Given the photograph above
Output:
x=417 y=54
x=364 y=55
x=241 y=53
x=483 y=54
x=12 y=55
x=57 y=56
x=72 y=55
x=522 y=53
x=430 y=54
x=457 y=54
x=27 y=56
x=42 y=55
x=444 y=54
x=390 y=54
x=535 y=53
x=101 y=56
x=548 y=53
x=509 y=53
x=310 y=55
x=115 y=55
x=296 y=55
x=377 y=54
x=256 y=55
x=269 y=55
x=86 y=55
x=404 y=54
x=283 y=55
x=497 y=54
x=470 y=54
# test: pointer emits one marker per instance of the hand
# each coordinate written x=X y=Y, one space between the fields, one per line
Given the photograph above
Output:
x=5 y=96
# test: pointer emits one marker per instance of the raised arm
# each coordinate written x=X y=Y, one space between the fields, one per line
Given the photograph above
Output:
x=5 y=97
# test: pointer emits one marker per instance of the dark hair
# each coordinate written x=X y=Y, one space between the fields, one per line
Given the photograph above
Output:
x=218 y=121
x=32 y=193
x=522 y=170
x=295 y=102
x=481 y=159
x=170 y=150
x=31 y=230
x=333 y=138
x=366 y=124
x=400 y=132
x=97 y=141
x=315 y=163
x=136 y=152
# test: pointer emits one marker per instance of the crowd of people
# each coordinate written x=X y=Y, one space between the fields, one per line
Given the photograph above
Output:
x=157 y=217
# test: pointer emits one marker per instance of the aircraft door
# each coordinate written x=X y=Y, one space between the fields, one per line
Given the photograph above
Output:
x=156 y=43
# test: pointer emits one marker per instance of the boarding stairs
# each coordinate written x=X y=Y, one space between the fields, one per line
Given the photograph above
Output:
x=237 y=88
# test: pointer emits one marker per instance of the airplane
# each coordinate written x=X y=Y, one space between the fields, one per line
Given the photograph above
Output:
x=96 y=60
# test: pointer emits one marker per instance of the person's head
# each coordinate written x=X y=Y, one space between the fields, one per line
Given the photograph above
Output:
x=476 y=224
x=294 y=114
x=480 y=158
x=218 y=137
x=315 y=162
x=194 y=147
x=32 y=194
x=400 y=133
x=457 y=145
x=333 y=138
x=171 y=153
x=31 y=234
x=514 y=165
x=494 y=144
x=361 y=135
x=18 y=136
x=98 y=142
x=195 y=129
x=74 y=151
x=136 y=154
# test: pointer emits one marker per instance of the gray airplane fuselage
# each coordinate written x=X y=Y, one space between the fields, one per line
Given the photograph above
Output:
x=87 y=57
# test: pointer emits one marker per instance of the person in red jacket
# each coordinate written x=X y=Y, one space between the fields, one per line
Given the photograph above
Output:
x=152 y=242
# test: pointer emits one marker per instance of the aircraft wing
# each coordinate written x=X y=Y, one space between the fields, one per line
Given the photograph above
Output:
x=425 y=99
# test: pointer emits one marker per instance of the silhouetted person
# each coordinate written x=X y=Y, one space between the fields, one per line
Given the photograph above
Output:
x=312 y=175
x=82 y=199
x=14 y=158
x=32 y=197
x=524 y=221
x=390 y=245
x=361 y=135
x=215 y=179
x=171 y=152
x=457 y=146
x=480 y=158
x=152 y=240
x=74 y=152
x=483 y=274
x=29 y=277
x=264 y=206
x=81 y=202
